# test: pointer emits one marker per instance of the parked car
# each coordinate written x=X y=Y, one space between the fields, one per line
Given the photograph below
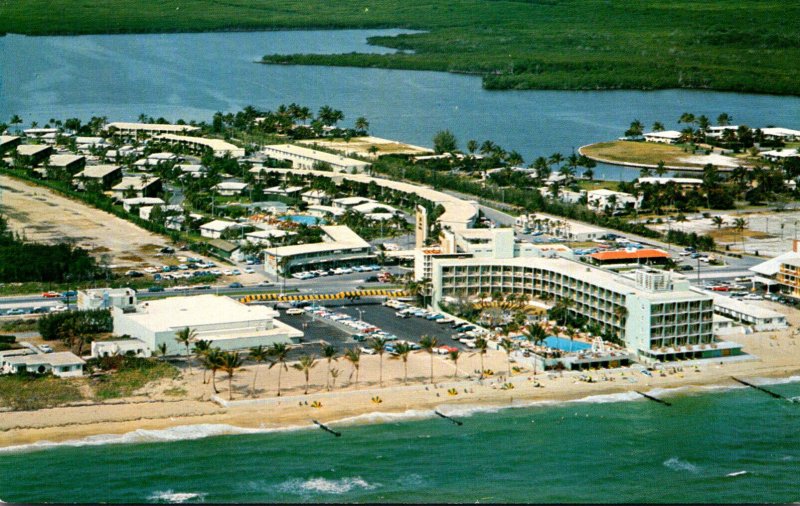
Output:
x=45 y=348
x=294 y=311
x=235 y=285
x=51 y=295
x=402 y=314
x=156 y=288
x=16 y=311
x=368 y=351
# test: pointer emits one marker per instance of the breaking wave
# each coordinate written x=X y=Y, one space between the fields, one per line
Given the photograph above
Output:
x=177 y=497
x=179 y=433
x=325 y=486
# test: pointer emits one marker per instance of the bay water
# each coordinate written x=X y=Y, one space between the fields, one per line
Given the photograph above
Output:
x=193 y=75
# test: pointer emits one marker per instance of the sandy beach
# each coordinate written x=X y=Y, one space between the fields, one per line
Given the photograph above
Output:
x=772 y=355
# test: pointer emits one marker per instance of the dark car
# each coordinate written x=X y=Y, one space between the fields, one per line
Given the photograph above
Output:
x=167 y=250
x=371 y=279
x=686 y=268
x=156 y=288
x=235 y=284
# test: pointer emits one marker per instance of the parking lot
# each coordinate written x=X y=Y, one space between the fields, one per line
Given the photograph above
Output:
x=410 y=329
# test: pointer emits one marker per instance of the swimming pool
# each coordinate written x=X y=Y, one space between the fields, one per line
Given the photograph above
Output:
x=298 y=218
x=562 y=344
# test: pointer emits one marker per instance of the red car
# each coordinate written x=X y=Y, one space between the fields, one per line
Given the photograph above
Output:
x=51 y=295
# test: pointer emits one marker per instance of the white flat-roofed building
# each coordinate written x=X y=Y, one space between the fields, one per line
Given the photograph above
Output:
x=784 y=134
x=146 y=211
x=308 y=159
x=38 y=133
x=564 y=195
x=716 y=132
x=602 y=198
x=132 y=129
x=9 y=142
x=219 y=147
x=191 y=170
x=780 y=154
x=665 y=137
x=214 y=229
x=351 y=202
x=684 y=182
x=324 y=211
x=287 y=191
x=655 y=313
x=105 y=175
x=137 y=186
x=105 y=298
x=750 y=312
x=121 y=347
x=84 y=144
x=34 y=154
x=340 y=246
x=227 y=323
x=68 y=162
x=134 y=203
x=267 y=237
x=315 y=197
x=230 y=188
x=62 y=364
x=374 y=208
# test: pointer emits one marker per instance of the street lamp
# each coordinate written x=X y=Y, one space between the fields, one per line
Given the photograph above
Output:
x=360 y=314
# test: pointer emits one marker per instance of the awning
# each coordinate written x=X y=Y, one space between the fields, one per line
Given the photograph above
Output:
x=765 y=281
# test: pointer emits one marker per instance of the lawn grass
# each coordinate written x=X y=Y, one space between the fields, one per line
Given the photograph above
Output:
x=19 y=325
x=746 y=46
x=636 y=152
x=23 y=393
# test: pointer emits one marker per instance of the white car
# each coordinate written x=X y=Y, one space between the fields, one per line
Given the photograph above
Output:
x=249 y=270
x=368 y=351
x=294 y=311
x=45 y=348
x=55 y=309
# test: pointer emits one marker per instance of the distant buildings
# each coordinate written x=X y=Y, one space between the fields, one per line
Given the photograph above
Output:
x=305 y=158
x=104 y=175
x=602 y=199
x=105 y=298
x=230 y=188
x=219 y=147
x=340 y=246
x=664 y=137
x=783 y=270
x=134 y=129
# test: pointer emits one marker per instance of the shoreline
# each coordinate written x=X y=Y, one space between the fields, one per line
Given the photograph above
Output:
x=200 y=419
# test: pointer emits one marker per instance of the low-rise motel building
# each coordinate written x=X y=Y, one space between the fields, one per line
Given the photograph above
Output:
x=123 y=129
x=306 y=158
x=340 y=246
x=655 y=313
x=226 y=323
x=219 y=147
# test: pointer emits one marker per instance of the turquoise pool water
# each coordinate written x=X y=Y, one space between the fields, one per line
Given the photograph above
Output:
x=562 y=344
x=305 y=220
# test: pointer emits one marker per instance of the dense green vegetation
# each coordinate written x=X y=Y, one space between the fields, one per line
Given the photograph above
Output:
x=748 y=45
x=25 y=261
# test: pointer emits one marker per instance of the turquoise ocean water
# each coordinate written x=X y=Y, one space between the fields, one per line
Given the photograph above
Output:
x=715 y=445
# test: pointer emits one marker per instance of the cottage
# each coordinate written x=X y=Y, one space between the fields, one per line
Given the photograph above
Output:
x=137 y=186
x=214 y=229
x=104 y=175
x=61 y=364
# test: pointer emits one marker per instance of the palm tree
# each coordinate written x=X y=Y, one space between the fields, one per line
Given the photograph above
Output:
x=718 y=221
x=334 y=374
x=230 y=363
x=353 y=355
x=329 y=354
x=658 y=126
x=482 y=346
x=279 y=352
x=305 y=364
x=508 y=347
x=258 y=354
x=402 y=350
x=379 y=345
x=213 y=361
x=185 y=337
x=454 y=356
x=200 y=348
x=428 y=343
x=162 y=349
x=536 y=334
x=740 y=224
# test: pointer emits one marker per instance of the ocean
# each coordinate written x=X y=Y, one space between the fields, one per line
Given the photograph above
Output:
x=712 y=445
